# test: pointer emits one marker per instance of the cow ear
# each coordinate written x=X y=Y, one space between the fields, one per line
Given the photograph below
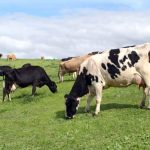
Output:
x=66 y=96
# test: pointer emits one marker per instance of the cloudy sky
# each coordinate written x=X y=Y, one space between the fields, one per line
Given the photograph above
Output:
x=62 y=28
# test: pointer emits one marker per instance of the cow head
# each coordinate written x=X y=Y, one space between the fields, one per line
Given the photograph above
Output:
x=53 y=87
x=71 y=106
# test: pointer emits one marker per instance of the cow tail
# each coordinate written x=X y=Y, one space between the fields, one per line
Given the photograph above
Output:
x=60 y=73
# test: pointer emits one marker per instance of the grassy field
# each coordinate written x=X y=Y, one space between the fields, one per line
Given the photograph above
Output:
x=38 y=123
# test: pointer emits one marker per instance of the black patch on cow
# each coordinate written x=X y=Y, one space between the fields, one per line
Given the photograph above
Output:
x=96 y=78
x=124 y=68
x=94 y=53
x=66 y=59
x=129 y=64
x=90 y=78
x=80 y=87
x=103 y=66
x=149 y=56
x=123 y=59
x=84 y=70
x=113 y=56
x=113 y=70
x=129 y=46
x=134 y=58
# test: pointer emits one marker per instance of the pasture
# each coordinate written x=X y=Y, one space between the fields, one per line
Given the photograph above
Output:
x=38 y=123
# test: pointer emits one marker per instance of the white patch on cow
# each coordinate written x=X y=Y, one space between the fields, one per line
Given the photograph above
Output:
x=14 y=87
x=78 y=99
x=3 y=84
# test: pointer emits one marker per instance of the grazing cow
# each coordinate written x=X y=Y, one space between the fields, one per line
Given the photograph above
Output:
x=11 y=57
x=113 y=68
x=72 y=65
x=60 y=76
x=23 y=77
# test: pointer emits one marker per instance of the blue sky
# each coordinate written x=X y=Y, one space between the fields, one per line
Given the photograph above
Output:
x=60 y=7
x=62 y=28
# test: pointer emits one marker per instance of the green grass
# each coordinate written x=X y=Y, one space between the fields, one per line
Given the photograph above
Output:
x=37 y=123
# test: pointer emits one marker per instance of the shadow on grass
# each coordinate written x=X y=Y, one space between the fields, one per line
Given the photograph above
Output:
x=66 y=80
x=104 y=107
x=27 y=98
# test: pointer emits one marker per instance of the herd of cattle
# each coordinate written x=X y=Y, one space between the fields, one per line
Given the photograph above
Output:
x=95 y=71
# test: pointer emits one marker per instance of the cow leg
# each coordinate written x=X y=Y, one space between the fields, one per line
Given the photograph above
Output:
x=148 y=97
x=33 y=89
x=9 y=97
x=145 y=92
x=98 y=89
x=60 y=76
x=4 y=94
x=74 y=75
x=89 y=99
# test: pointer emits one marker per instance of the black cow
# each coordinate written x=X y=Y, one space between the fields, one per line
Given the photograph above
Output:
x=23 y=77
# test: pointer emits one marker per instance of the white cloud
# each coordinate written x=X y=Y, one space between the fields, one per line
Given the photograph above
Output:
x=71 y=35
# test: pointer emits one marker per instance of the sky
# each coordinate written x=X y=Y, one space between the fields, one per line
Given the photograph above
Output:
x=64 y=28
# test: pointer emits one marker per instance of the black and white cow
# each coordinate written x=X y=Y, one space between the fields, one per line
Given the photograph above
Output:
x=113 y=68
x=25 y=76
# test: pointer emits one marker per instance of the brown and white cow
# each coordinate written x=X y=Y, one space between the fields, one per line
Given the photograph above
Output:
x=113 y=68
x=71 y=65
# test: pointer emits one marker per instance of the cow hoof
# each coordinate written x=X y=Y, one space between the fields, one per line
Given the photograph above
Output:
x=94 y=114
x=148 y=108
x=141 y=107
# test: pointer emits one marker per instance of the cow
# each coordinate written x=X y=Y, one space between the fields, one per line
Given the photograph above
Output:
x=113 y=68
x=11 y=57
x=72 y=65
x=60 y=72
x=23 y=77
